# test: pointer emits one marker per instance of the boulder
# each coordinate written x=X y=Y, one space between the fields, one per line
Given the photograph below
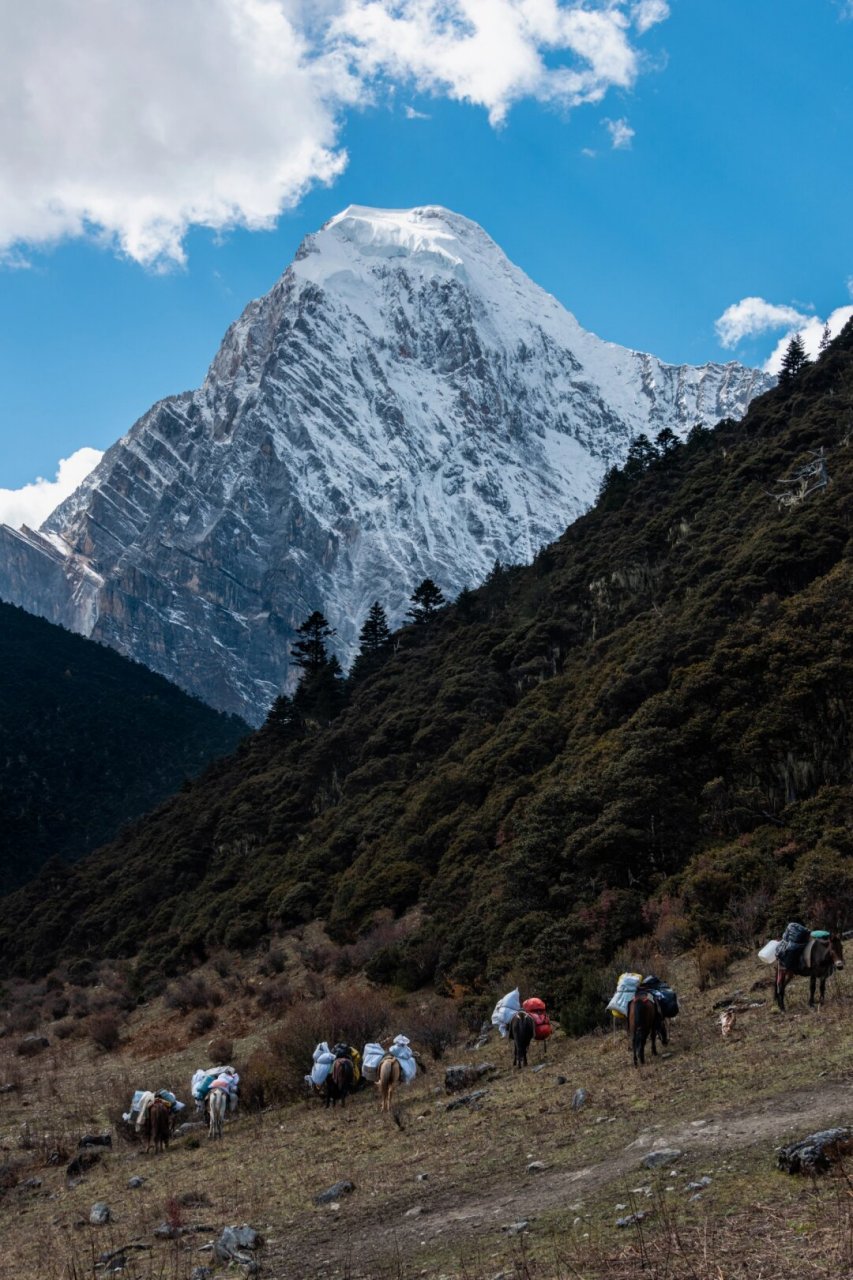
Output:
x=665 y=1155
x=31 y=1045
x=135 y=1182
x=95 y=1140
x=471 y=1100
x=100 y=1214
x=578 y=1099
x=343 y=1188
x=817 y=1152
x=462 y=1076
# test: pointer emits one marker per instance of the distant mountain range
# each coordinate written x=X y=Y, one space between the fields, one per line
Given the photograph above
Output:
x=88 y=742
x=403 y=403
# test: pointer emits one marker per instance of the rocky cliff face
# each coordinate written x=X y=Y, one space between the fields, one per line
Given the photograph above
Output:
x=404 y=402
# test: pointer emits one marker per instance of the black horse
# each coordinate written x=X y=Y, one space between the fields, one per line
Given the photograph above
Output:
x=522 y=1029
x=340 y=1081
x=820 y=958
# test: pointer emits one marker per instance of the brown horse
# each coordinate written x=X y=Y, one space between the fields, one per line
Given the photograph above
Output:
x=340 y=1081
x=522 y=1029
x=158 y=1125
x=820 y=958
x=644 y=1020
x=390 y=1075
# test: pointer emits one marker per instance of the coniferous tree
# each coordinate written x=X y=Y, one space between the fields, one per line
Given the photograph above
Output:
x=793 y=361
x=284 y=720
x=641 y=455
x=375 y=643
x=666 y=441
x=309 y=651
x=825 y=339
x=426 y=600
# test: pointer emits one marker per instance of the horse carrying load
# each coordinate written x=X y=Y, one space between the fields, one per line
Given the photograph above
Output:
x=207 y=1078
x=633 y=984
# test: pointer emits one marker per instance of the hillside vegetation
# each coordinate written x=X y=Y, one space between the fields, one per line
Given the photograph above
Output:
x=646 y=731
x=88 y=741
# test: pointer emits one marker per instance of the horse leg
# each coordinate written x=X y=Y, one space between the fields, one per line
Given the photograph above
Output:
x=639 y=1046
x=822 y=990
x=812 y=987
x=780 y=990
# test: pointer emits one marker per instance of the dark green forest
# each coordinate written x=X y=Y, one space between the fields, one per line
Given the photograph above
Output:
x=646 y=732
x=88 y=741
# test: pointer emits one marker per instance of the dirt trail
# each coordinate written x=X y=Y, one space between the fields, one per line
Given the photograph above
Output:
x=459 y=1217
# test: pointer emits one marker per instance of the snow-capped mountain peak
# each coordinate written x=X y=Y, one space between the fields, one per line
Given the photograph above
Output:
x=404 y=402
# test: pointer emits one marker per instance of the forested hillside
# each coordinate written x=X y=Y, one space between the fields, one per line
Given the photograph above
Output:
x=88 y=741
x=647 y=731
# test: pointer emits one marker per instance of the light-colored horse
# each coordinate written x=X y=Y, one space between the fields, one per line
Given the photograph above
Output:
x=217 y=1105
x=390 y=1075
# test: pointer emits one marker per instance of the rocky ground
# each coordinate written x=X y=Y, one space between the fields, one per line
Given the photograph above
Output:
x=514 y=1183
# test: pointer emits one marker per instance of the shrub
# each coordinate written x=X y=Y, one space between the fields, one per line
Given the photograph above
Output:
x=59 y=1006
x=268 y=1080
x=23 y=1017
x=31 y=1045
x=79 y=1004
x=711 y=960
x=275 y=997
x=192 y=992
x=221 y=1050
x=273 y=962
x=435 y=1027
x=103 y=1030
x=204 y=1020
x=63 y=1030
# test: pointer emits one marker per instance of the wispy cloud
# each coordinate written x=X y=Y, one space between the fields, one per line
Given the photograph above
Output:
x=647 y=13
x=811 y=332
x=412 y=114
x=621 y=134
x=223 y=113
x=33 y=503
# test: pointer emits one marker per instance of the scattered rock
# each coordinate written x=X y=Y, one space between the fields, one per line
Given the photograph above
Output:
x=194 y=1200
x=421 y=1177
x=471 y=1100
x=187 y=1127
x=201 y=1273
x=166 y=1231
x=8 y=1088
x=463 y=1076
x=727 y=1000
x=99 y=1214
x=697 y=1186
x=415 y=1212
x=231 y=1245
x=537 y=1166
x=31 y=1184
x=135 y=1181
x=632 y=1218
x=95 y=1140
x=339 y=1189
x=516 y=1228
x=666 y=1155
x=540 y=1067
x=817 y=1152
x=579 y=1099
x=31 y=1045
x=81 y=1163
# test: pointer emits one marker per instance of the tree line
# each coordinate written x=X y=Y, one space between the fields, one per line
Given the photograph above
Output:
x=323 y=689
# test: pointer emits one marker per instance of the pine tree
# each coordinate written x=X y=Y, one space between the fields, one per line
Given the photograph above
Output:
x=426 y=600
x=284 y=720
x=374 y=643
x=793 y=361
x=666 y=441
x=641 y=455
x=309 y=651
x=321 y=693
x=825 y=339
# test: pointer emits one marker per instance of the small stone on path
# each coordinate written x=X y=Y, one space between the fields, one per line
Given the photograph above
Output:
x=666 y=1155
x=579 y=1099
x=342 y=1188
x=99 y=1214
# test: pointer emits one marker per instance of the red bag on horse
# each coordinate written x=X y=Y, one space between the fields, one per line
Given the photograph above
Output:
x=536 y=1008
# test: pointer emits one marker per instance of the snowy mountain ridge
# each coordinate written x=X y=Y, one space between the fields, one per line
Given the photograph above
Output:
x=404 y=402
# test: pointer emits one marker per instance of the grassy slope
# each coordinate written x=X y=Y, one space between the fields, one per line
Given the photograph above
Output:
x=88 y=741
x=656 y=710
x=779 y=1077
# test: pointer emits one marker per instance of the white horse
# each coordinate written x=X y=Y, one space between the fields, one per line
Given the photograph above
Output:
x=217 y=1105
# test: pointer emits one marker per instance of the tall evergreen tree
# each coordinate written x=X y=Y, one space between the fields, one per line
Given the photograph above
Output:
x=825 y=339
x=284 y=720
x=309 y=651
x=641 y=455
x=426 y=600
x=374 y=643
x=666 y=441
x=793 y=361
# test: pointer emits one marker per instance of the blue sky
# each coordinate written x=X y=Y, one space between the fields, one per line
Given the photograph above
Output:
x=733 y=182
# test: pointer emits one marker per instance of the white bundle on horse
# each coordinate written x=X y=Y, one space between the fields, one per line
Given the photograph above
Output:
x=505 y=1010
x=324 y=1060
x=768 y=951
x=370 y=1059
x=401 y=1050
x=626 y=989
x=207 y=1078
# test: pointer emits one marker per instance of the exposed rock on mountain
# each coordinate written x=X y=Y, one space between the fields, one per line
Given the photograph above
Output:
x=403 y=403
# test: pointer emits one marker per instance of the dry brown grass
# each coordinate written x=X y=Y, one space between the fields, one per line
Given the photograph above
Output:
x=270 y=1164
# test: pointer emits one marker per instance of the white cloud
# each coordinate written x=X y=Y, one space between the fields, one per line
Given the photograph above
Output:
x=132 y=122
x=647 y=13
x=33 y=503
x=412 y=114
x=850 y=285
x=620 y=132
x=811 y=331
x=753 y=316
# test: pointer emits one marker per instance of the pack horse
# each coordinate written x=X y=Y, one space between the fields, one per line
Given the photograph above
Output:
x=808 y=955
